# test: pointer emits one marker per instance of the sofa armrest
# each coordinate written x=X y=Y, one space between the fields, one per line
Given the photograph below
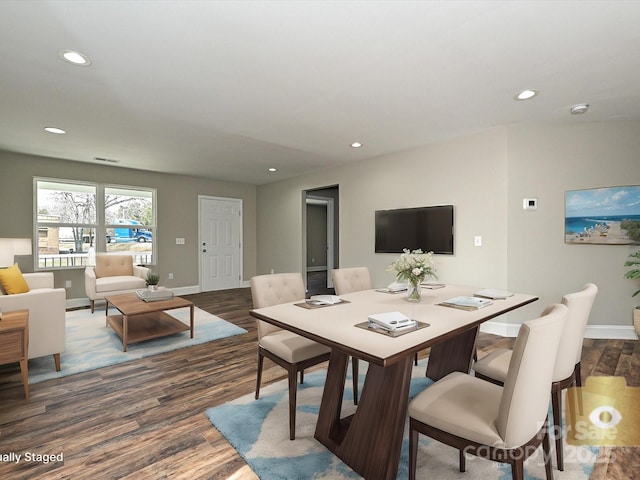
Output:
x=140 y=271
x=46 y=318
x=90 y=282
x=39 y=280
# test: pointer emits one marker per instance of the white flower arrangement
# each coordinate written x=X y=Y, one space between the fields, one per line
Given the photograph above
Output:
x=414 y=266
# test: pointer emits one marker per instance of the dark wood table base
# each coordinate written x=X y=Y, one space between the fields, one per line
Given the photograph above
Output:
x=452 y=355
x=373 y=451
x=366 y=450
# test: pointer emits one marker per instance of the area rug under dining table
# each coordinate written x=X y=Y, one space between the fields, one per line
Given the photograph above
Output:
x=259 y=431
x=90 y=344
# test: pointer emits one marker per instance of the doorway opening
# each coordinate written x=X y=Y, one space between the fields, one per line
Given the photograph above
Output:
x=320 y=238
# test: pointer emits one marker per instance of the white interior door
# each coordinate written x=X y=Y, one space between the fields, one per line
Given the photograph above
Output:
x=220 y=243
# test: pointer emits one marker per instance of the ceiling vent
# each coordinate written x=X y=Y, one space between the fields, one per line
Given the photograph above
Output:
x=108 y=160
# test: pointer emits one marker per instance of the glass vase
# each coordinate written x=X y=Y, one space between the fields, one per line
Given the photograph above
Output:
x=415 y=291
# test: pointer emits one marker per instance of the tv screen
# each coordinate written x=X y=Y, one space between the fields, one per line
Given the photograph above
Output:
x=427 y=228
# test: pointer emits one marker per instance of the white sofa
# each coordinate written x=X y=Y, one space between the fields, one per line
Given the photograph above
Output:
x=47 y=308
x=113 y=275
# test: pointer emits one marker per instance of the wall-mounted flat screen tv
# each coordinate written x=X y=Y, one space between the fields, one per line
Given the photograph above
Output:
x=427 y=228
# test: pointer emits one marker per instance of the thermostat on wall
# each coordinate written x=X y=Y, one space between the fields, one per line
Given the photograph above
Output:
x=529 y=203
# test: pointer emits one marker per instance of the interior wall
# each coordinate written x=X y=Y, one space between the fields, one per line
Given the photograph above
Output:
x=485 y=176
x=448 y=173
x=177 y=208
x=544 y=162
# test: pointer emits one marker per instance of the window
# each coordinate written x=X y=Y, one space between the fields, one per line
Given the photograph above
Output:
x=72 y=217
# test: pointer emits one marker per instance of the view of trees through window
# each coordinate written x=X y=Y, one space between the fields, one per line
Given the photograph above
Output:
x=71 y=218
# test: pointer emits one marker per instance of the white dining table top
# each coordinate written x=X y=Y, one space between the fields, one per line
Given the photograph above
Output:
x=335 y=325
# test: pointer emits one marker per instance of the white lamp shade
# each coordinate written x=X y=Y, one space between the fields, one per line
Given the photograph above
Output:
x=10 y=247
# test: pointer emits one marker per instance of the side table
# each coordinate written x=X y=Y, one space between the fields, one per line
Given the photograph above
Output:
x=14 y=342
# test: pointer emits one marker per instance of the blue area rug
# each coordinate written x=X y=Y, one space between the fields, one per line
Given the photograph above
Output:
x=90 y=344
x=259 y=431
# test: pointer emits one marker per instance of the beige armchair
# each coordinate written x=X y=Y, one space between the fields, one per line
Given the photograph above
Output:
x=47 y=308
x=113 y=275
x=503 y=424
x=292 y=352
x=494 y=367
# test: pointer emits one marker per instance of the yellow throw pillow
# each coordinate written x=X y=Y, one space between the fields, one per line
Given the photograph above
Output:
x=12 y=280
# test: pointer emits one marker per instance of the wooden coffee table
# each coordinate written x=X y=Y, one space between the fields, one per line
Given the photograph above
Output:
x=140 y=320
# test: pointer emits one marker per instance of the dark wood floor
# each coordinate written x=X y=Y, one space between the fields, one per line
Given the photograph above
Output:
x=145 y=419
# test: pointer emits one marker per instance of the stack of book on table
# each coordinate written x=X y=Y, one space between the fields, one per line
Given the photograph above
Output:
x=393 y=322
x=323 y=300
x=395 y=287
x=154 y=295
x=467 y=303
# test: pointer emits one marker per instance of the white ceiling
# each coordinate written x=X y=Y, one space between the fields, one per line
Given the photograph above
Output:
x=226 y=89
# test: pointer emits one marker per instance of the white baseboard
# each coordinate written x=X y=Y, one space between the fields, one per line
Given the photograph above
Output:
x=621 y=332
x=618 y=332
x=186 y=290
x=77 y=302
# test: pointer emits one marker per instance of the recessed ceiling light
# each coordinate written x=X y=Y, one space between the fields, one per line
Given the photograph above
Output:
x=356 y=145
x=273 y=169
x=579 y=108
x=526 y=94
x=55 y=130
x=74 y=57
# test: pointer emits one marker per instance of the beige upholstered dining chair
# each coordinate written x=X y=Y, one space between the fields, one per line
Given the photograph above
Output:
x=503 y=424
x=494 y=366
x=347 y=280
x=354 y=279
x=292 y=352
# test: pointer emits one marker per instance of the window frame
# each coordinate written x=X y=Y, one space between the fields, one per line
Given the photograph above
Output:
x=100 y=227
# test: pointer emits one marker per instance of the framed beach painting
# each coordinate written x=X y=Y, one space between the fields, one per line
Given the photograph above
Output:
x=603 y=216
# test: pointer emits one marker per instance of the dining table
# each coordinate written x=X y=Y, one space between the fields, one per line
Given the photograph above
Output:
x=370 y=440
